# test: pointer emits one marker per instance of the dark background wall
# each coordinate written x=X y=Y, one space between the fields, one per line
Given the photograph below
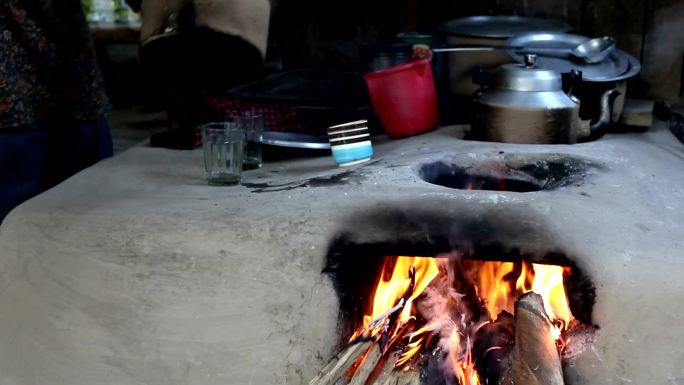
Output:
x=325 y=34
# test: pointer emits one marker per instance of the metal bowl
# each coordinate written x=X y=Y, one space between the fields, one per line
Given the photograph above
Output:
x=617 y=66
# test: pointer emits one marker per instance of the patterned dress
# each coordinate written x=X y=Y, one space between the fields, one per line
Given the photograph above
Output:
x=48 y=70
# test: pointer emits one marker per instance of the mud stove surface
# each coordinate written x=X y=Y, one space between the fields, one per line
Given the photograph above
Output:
x=137 y=272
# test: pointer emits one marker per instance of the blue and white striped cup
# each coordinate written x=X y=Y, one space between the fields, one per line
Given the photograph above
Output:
x=350 y=143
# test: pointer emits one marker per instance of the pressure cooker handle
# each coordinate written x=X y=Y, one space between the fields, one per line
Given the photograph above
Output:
x=483 y=77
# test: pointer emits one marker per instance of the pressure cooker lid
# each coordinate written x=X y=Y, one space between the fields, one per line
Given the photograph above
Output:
x=617 y=66
x=501 y=27
x=528 y=77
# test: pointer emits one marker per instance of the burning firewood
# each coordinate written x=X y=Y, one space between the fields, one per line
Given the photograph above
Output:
x=493 y=343
x=534 y=359
x=384 y=369
x=578 y=339
x=437 y=317
x=341 y=363
x=367 y=366
x=409 y=377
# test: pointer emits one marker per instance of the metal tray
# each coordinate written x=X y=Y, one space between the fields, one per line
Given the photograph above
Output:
x=500 y=27
x=619 y=65
x=295 y=140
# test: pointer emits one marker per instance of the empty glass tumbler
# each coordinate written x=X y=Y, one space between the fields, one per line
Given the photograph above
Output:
x=223 y=144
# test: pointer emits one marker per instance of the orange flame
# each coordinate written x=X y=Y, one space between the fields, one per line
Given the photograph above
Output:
x=412 y=348
x=389 y=291
x=499 y=293
x=548 y=282
x=463 y=364
x=493 y=288
x=523 y=282
x=498 y=284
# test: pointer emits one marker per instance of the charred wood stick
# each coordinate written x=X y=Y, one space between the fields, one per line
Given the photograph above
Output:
x=410 y=377
x=534 y=359
x=379 y=320
x=578 y=339
x=370 y=361
x=347 y=375
x=393 y=317
x=385 y=370
x=492 y=345
x=338 y=365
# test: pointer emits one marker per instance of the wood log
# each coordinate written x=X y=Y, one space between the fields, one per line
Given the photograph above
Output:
x=491 y=347
x=409 y=377
x=370 y=361
x=534 y=359
x=384 y=369
x=344 y=380
x=338 y=365
x=579 y=338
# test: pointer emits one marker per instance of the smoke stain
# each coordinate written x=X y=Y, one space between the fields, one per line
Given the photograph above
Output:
x=342 y=178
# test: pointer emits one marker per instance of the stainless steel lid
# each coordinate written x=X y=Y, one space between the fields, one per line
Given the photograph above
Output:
x=501 y=27
x=528 y=77
x=296 y=140
x=617 y=66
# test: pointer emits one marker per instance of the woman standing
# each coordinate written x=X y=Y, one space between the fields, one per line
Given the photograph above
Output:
x=52 y=98
x=195 y=48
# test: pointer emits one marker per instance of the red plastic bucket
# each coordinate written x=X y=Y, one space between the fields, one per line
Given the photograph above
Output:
x=404 y=98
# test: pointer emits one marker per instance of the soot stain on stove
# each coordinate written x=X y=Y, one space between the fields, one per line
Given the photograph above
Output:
x=342 y=178
x=517 y=173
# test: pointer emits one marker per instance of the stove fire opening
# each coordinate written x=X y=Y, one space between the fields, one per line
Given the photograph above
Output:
x=458 y=318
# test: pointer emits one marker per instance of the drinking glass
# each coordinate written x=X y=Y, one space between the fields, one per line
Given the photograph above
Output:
x=223 y=144
x=254 y=130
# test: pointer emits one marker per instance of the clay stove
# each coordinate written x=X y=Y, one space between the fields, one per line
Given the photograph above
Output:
x=467 y=309
x=198 y=285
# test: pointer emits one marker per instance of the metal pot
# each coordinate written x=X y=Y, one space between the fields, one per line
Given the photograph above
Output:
x=521 y=103
x=486 y=30
x=597 y=79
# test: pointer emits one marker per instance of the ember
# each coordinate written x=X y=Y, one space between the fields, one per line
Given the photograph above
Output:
x=463 y=314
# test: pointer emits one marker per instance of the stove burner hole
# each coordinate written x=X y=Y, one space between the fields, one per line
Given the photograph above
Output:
x=459 y=178
x=516 y=173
